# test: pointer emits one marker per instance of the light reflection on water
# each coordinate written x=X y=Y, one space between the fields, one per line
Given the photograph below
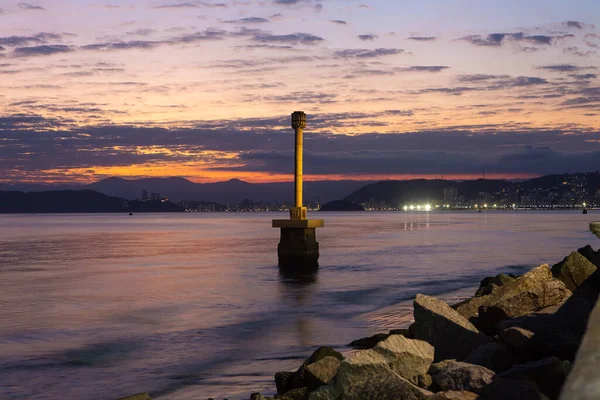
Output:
x=194 y=305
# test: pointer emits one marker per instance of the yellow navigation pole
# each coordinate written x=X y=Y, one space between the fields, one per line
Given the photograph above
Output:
x=298 y=123
x=298 y=245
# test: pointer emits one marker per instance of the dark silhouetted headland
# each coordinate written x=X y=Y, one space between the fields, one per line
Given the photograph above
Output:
x=77 y=201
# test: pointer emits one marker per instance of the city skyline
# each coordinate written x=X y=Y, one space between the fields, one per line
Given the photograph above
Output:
x=204 y=89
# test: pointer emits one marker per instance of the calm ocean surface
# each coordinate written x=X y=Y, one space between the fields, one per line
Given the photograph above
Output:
x=191 y=306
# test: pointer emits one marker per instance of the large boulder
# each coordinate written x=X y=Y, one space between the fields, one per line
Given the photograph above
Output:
x=491 y=283
x=557 y=334
x=589 y=253
x=464 y=376
x=508 y=389
x=532 y=281
x=515 y=337
x=438 y=366
x=328 y=392
x=452 y=335
x=140 y=396
x=321 y=372
x=549 y=374
x=425 y=381
x=574 y=270
x=298 y=380
x=294 y=394
x=366 y=375
x=257 y=396
x=546 y=294
x=409 y=358
x=454 y=395
x=369 y=342
x=495 y=356
x=583 y=382
x=595 y=228
x=284 y=381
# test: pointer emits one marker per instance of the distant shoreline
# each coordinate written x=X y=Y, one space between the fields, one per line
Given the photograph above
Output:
x=314 y=211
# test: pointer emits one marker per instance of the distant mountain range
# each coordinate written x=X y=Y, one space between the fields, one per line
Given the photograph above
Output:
x=77 y=201
x=580 y=186
x=236 y=191
x=230 y=192
x=395 y=192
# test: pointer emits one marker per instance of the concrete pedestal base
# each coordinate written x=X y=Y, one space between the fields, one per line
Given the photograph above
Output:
x=595 y=228
x=298 y=246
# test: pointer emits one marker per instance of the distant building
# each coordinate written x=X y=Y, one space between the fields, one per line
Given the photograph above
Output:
x=155 y=197
x=451 y=195
x=144 y=195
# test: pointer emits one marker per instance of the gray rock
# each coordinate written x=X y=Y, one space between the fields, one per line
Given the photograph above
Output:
x=140 y=396
x=463 y=376
x=489 y=284
x=366 y=375
x=574 y=270
x=559 y=334
x=323 y=352
x=401 y=331
x=548 y=374
x=546 y=294
x=589 y=253
x=298 y=380
x=437 y=367
x=369 y=342
x=294 y=394
x=516 y=337
x=532 y=281
x=324 y=393
x=283 y=381
x=495 y=356
x=452 y=335
x=454 y=395
x=508 y=389
x=425 y=381
x=321 y=372
x=407 y=357
x=584 y=381
x=595 y=228
x=257 y=396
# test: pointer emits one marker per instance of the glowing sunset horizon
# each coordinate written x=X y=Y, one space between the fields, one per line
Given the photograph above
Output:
x=204 y=89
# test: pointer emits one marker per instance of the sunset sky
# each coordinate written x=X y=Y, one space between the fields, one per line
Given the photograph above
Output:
x=204 y=89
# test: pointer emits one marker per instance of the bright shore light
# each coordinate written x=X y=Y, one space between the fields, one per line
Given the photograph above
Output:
x=427 y=207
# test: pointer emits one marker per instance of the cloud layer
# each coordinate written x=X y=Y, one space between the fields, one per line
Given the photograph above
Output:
x=204 y=89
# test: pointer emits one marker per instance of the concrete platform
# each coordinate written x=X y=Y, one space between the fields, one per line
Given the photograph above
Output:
x=298 y=223
x=595 y=228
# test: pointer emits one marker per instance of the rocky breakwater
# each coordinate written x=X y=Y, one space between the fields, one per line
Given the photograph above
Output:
x=515 y=339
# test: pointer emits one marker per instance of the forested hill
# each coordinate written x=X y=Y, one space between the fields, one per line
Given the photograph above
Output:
x=76 y=201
